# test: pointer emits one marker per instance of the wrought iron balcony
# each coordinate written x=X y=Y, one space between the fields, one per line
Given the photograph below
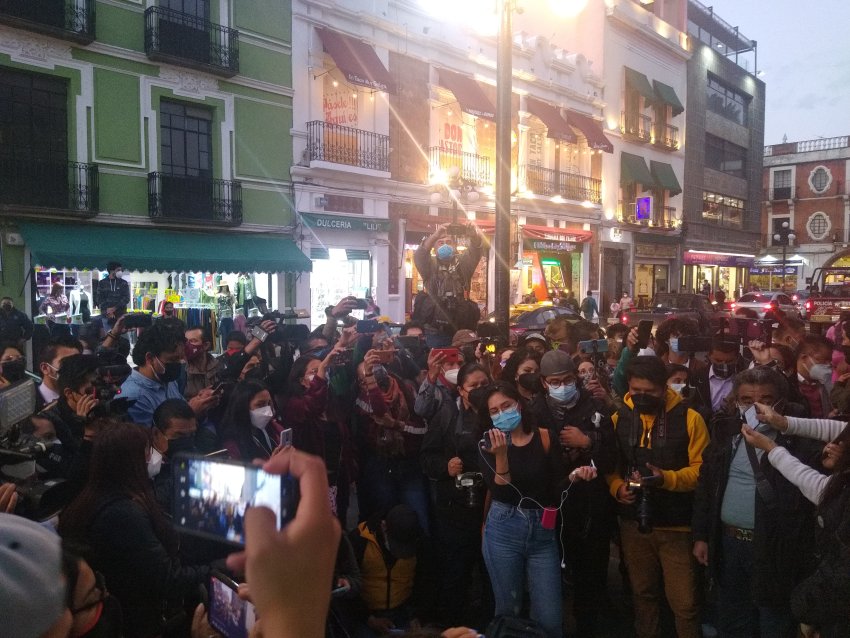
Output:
x=663 y=219
x=636 y=126
x=66 y=19
x=473 y=168
x=545 y=181
x=667 y=136
x=179 y=198
x=187 y=40
x=67 y=186
x=345 y=145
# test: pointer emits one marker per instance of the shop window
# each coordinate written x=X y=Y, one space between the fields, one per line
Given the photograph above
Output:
x=818 y=226
x=724 y=156
x=820 y=179
x=726 y=101
x=723 y=210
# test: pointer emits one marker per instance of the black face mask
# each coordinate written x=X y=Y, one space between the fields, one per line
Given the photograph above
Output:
x=476 y=397
x=255 y=374
x=185 y=444
x=724 y=370
x=111 y=621
x=170 y=373
x=646 y=403
x=530 y=381
x=14 y=370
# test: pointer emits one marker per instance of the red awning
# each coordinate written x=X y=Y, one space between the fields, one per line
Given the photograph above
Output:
x=591 y=129
x=557 y=234
x=557 y=127
x=468 y=93
x=357 y=60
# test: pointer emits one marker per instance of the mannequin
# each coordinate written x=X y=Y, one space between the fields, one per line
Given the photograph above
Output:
x=224 y=305
x=245 y=292
x=79 y=300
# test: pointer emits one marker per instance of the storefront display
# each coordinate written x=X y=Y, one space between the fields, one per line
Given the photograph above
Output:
x=770 y=278
x=653 y=265
x=726 y=272
x=552 y=262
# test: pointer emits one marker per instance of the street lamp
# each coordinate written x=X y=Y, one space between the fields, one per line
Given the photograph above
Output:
x=458 y=189
x=785 y=236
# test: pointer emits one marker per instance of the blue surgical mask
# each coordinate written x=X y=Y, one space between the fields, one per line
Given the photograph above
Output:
x=565 y=393
x=674 y=344
x=445 y=252
x=507 y=420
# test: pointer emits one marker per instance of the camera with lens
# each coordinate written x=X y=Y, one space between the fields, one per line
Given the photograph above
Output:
x=106 y=386
x=471 y=484
x=643 y=487
x=491 y=344
x=284 y=333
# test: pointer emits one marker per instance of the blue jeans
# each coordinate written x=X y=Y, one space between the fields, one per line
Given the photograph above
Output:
x=737 y=615
x=518 y=551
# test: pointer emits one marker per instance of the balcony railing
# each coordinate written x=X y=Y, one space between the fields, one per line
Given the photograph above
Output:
x=667 y=136
x=187 y=40
x=181 y=198
x=665 y=219
x=636 y=126
x=68 y=186
x=473 y=168
x=350 y=146
x=67 y=19
x=548 y=182
x=781 y=192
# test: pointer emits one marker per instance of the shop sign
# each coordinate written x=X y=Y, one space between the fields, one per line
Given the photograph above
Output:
x=547 y=245
x=340 y=222
x=663 y=251
x=773 y=270
x=339 y=104
x=727 y=261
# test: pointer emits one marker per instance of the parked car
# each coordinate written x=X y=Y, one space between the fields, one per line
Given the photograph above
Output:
x=760 y=305
x=801 y=299
x=525 y=318
x=667 y=305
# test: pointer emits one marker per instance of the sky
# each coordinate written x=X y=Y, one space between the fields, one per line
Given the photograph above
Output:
x=804 y=51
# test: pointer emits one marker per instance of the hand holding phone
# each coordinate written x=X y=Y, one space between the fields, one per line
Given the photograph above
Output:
x=228 y=614
x=644 y=333
x=450 y=355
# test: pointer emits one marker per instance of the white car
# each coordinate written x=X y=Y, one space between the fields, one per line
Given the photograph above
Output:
x=760 y=305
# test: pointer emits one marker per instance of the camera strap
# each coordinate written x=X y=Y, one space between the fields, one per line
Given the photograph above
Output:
x=764 y=487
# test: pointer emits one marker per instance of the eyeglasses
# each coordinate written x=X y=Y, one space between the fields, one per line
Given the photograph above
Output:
x=100 y=586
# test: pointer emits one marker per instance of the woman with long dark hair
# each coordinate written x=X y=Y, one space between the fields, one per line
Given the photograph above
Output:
x=522 y=467
x=522 y=371
x=251 y=430
x=131 y=540
x=449 y=456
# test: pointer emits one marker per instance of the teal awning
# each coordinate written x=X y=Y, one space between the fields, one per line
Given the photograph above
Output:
x=633 y=170
x=640 y=83
x=91 y=246
x=667 y=95
x=665 y=177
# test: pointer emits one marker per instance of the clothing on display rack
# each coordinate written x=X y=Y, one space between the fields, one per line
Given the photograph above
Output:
x=198 y=316
x=245 y=293
x=224 y=302
x=79 y=301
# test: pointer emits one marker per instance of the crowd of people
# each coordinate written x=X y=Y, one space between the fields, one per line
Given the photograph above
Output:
x=476 y=483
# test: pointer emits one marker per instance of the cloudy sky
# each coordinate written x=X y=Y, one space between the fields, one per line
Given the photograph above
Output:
x=804 y=49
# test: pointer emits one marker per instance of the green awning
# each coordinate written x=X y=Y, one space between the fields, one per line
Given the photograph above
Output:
x=640 y=83
x=665 y=94
x=633 y=170
x=665 y=177
x=90 y=246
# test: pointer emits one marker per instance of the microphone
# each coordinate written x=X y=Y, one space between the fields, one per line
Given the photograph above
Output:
x=40 y=447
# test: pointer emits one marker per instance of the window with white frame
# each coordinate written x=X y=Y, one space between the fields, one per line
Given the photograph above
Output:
x=818 y=226
x=820 y=179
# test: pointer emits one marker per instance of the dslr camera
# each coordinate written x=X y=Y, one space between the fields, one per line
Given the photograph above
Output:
x=471 y=484
x=643 y=487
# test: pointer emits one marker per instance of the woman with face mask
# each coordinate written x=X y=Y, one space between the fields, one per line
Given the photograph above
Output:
x=13 y=366
x=449 y=456
x=251 y=430
x=132 y=542
x=390 y=436
x=523 y=372
x=523 y=469
x=312 y=405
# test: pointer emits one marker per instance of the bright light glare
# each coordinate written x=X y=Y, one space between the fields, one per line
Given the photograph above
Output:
x=567 y=8
x=481 y=14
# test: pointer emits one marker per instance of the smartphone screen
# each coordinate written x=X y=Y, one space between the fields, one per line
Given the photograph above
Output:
x=211 y=496
x=228 y=614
